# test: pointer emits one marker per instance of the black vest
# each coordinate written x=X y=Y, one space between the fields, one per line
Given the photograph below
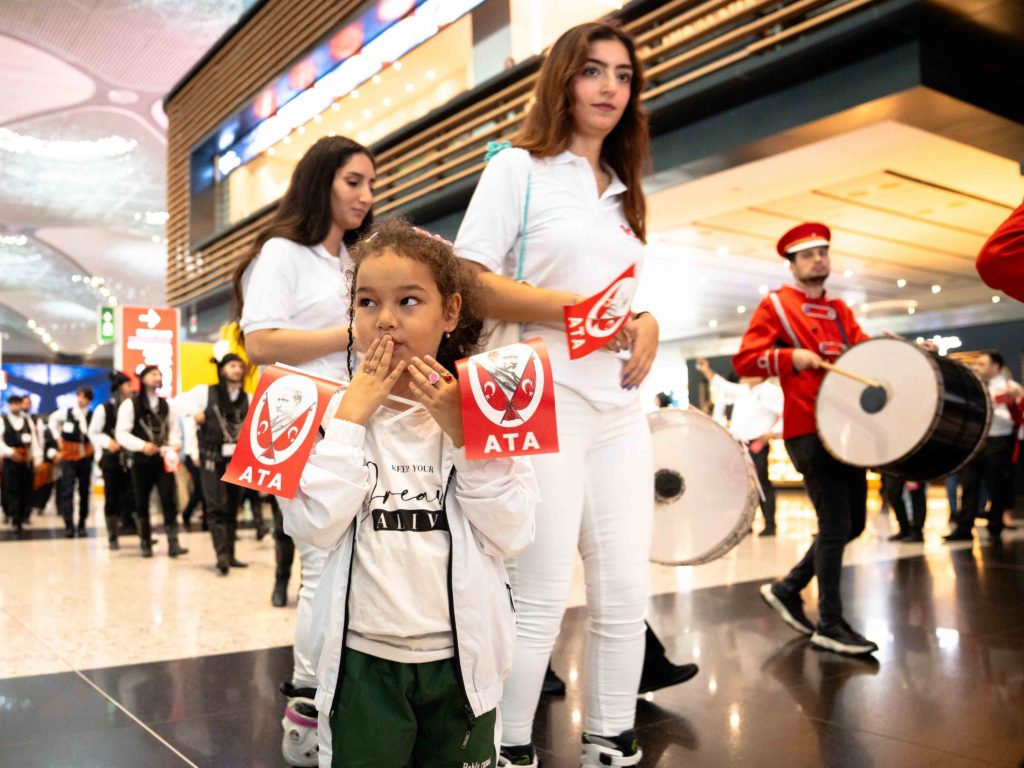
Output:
x=12 y=436
x=109 y=460
x=109 y=418
x=76 y=435
x=149 y=426
x=221 y=413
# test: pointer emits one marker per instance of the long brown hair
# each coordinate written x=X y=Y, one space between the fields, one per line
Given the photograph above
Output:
x=548 y=127
x=304 y=213
x=452 y=275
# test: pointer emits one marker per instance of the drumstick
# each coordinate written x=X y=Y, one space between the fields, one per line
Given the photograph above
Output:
x=851 y=375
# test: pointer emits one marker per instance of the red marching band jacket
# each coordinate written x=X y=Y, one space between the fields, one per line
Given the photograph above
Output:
x=825 y=326
x=1001 y=261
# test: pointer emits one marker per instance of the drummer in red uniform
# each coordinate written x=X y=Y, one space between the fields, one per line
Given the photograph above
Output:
x=791 y=332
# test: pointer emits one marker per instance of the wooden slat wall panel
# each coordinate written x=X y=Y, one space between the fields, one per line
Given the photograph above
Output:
x=680 y=41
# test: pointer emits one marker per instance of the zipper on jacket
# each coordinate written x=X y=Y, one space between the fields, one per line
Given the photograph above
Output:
x=344 y=627
x=467 y=708
x=510 y=600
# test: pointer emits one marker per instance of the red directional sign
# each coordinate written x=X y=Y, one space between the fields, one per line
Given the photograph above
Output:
x=149 y=336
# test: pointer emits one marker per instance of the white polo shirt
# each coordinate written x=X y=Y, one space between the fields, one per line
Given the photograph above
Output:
x=300 y=288
x=576 y=241
x=755 y=410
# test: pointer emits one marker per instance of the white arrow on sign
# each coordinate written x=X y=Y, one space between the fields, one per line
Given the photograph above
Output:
x=151 y=318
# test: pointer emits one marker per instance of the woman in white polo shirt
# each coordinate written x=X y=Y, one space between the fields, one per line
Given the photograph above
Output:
x=571 y=188
x=292 y=293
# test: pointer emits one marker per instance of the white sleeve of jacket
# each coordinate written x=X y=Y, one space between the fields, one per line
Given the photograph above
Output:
x=332 y=488
x=499 y=497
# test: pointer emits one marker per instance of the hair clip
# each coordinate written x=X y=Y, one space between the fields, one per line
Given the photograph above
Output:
x=431 y=234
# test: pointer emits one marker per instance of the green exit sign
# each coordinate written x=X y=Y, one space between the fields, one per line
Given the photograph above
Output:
x=105 y=332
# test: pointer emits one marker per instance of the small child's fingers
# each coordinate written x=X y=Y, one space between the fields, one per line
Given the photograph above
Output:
x=393 y=376
x=385 y=358
x=420 y=367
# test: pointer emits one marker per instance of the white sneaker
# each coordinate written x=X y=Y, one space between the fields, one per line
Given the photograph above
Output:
x=298 y=745
x=601 y=751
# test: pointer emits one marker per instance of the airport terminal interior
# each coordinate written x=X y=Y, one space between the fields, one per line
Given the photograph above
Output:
x=179 y=585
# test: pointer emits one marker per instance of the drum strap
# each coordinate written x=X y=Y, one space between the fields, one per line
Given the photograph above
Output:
x=781 y=312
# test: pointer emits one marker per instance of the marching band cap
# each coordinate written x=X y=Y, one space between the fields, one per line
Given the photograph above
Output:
x=803 y=236
x=147 y=369
x=230 y=357
x=117 y=379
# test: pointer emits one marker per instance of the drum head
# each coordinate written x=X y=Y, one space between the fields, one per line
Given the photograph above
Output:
x=705 y=496
x=912 y=391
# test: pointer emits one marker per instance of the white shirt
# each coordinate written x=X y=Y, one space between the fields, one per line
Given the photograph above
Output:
x=126 y=423
x=398 y=603
x=300 y=288
x=1002 y=422
x=17 y=422
x=576 y=241
x=100 y=440
x=60 y=416
x=755 y=410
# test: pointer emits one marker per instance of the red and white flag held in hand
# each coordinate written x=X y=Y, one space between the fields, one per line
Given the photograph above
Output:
x=593 y=322
x=279 y=430
x=508 y=401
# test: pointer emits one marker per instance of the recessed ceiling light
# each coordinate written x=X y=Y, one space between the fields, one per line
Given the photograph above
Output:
x=996 y=299
x=354 y=94
x=936 y=288
x=911 y=310
x=763 y=290
x=901 y=283
x=335 y=106
x=740 y=309
x=712 y=323
x=367 y=114
x=376 y=79
x=847 y=273
x=410 y=87
x=431 y=74
x=398 y=66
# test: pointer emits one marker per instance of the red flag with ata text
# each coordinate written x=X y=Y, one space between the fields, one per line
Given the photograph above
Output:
x=279 y=430
x=508 y=401
x=594 y=322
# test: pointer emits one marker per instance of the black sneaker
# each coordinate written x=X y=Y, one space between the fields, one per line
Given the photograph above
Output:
x=521 y=755
x=599 y=751
x=553 y=684
x=664 y=675
x=790 y=607
x=841 y=638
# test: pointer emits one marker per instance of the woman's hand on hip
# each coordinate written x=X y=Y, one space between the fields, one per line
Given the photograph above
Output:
x=644 y=332
x=371 y=383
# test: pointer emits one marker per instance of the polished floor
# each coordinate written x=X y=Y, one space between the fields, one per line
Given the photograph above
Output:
x=108 y=660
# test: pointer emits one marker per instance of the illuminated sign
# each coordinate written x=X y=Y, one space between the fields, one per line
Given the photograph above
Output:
x=106 y=328
x=345 y=60
x=149 y=336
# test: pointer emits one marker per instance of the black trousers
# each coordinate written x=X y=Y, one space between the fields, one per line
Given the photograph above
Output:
x=839 y=494
x=147 y=473
x=74 y=475
x=198 y=495
x=118 y=499
x=284 y=547
x=993 y=466
x=892 y=491
x=18 y=481
x=220 y=500
x=760 y=460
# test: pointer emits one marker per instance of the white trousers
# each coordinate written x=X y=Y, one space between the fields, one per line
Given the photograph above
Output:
x=597 y=497
x=306 y=650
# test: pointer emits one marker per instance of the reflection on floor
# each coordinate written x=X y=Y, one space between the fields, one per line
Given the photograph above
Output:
x=109 y=660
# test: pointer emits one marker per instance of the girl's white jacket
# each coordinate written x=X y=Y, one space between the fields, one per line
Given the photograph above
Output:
x=490 y=507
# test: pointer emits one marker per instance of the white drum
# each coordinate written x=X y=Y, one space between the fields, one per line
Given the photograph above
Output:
x=705 y=488
x=929 y=416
